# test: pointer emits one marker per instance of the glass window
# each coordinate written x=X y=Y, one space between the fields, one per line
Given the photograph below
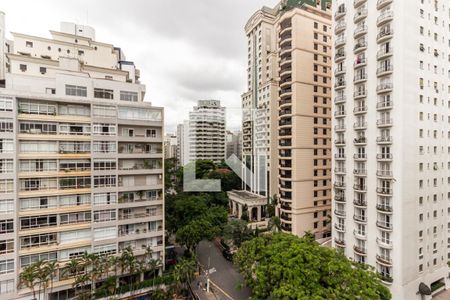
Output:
x=75 y=90
x=128 y=96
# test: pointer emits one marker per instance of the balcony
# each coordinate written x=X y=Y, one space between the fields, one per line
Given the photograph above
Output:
x=339 y=242
x=360 y=31
x=383 y=105
x=339 y=27
x=339 y=99
x=360 y=46
x=384 y=191
x=360 y=234
x=359 y=187
x=357 y=3
x=360 y=172
x=360 y=78
x=384 y=87
x=384 y=260
x=384 y=225
x=386 y=278
x=339 y=197
x=285 y=92
x=359 y=141
x=339 y=156
x=339 y=143
x=360 y=156
x=339 y=212
x=359 y=250
x=339 y=85
x=339 y=185
x=384 y=243
x=285 y=60
x=339 y=42
x=360 y=125
x=360 y=109
x=384 y=208
x=339 y=113
x=385 y=17
x=383 y=3
x=359 y=94
x=339 y=128
x=339 y=56
x=384 y=34
x=383 y=53
x=384 y=156
x=360 y=203
x=385 y=70
x=286 y=217
x=384 y=173
x=340 y=171
x=339 y=71
x=360 y=218
x=384 y=122
x=339 y=14
x=360 y=62
x=359 y=15
x=340 y=227
x=384 y=140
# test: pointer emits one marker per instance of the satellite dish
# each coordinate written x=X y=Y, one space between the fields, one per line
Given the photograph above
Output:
x=424 y=289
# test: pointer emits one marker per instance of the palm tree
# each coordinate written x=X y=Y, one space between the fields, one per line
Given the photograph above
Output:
x=275 y=224
x=72 y=269
x=51 y=268
x=184 y=271
x=28 y=277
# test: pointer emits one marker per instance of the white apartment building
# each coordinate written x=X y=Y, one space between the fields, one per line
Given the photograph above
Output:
x=81 y=155
x=170 y=146
x=206 y=132
x=391 y=140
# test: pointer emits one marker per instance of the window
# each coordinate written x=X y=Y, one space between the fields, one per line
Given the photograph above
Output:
x=6 y=186
x=105 y=249
x=75 y=218
x=105 y=233
x=38 y=147
x=105 y=198
x=104 y=111
x=29 y=259
x=74 y=200
x=74 y=236
x=105 y=215
x=37 y=184
x=38 y=203
x=37 y=222
x=6 y=104
x=104 y=129
x=75 y=90
x=6 y=266
x=104 y=147
x=7 y=286
x=142 y=114
x=74 y=165
x=6 y=206
x=128 y=96
x=6 y=166
x=6 y=145
x=74 y=147
x=38 y=240
x=37 y=108
x=103 y=93
x=73 y=253
x=104 y=164
x=105 y=181
x=37 y=128
x=23 y=67
x=6 y=246
x=6 y=226
x=74 y=182
x=28 y=44
x=6 y=125
x=43 y=70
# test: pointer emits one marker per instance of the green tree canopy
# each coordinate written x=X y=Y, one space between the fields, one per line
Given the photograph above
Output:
x=237 y=231
x=283 y=266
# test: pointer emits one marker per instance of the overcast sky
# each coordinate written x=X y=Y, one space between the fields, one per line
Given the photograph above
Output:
x=186 y=50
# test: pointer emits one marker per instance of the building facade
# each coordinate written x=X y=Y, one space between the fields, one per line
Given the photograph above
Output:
x=287 y=112
x=234 y=144
x=391 y=140
x=81 y=155
x=170 y=146
x=206 y=132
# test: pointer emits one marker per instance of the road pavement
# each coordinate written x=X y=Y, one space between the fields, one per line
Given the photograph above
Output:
x=226 y=280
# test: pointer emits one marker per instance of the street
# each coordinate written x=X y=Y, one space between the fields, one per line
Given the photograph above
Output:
x=223 y=275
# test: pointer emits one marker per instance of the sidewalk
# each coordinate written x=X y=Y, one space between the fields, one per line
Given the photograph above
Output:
x=201 y=293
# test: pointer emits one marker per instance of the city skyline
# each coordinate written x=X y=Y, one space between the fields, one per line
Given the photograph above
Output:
x=213 y=62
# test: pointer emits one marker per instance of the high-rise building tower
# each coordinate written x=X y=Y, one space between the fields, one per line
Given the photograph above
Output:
x=206 y=132
x=81 y=156
x=287 y=112
x=391 y=140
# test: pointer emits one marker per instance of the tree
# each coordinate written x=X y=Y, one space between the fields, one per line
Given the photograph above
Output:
x=283 y=266
x=274 y=224
x=196 y=231
x=184 y=271
x=271 y=205
x=28 y=278
x=244 y=215
x=237 y=231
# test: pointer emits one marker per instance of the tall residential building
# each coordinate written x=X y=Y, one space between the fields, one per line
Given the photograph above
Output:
x=81 y=156
x=287 y=112
x=391 y=140
x=206 y=132
x=234 y=144
x=170 y=145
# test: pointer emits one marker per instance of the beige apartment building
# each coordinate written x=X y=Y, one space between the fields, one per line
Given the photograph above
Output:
x=287 y=112
x=81 y=155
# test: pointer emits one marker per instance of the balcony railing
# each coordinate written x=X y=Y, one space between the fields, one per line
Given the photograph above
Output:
x=384 y=52
x=384 y=173
x=359 y=187
x=360 y=14
x=385 y=104
x=385 y=33
x=339 y=42
x=339 y=227
x=384 y=191
x=386 y=260
x=360 y=30
x=383 y=3
x=360 y=218
x=384 y=122
x=359 y=202
x=384 y=139
x=384 y=207
x=384 y=225
x=339 y=99
x=360 y=171
x=385 y=69
x=360 y=156
x=359 y=249
x=385 y=17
